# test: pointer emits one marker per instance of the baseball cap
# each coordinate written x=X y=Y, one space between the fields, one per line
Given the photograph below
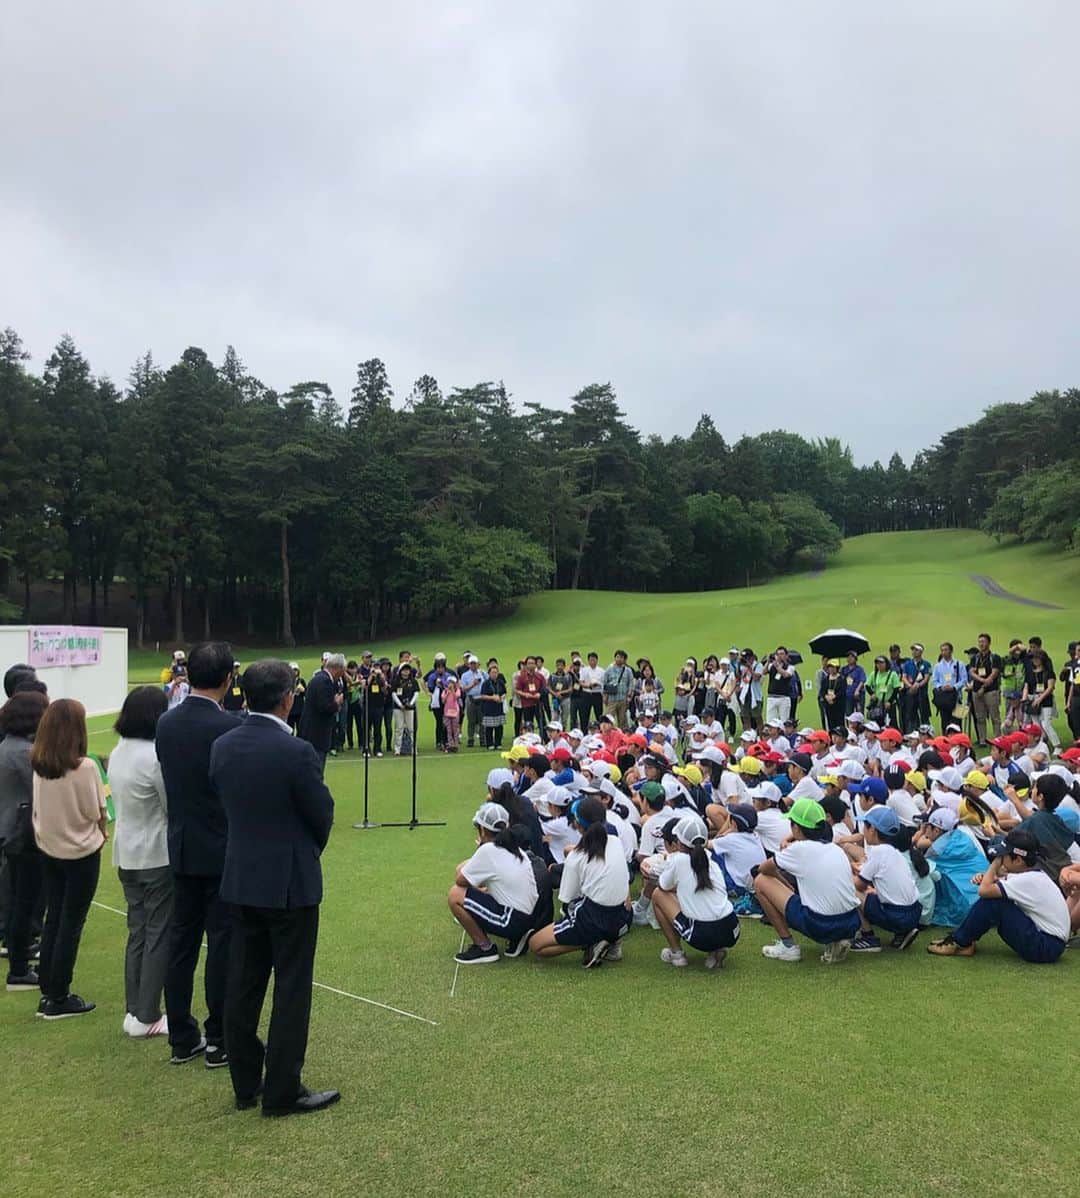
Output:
x=802 y=760
x=744 y=816
x=575 y=734
x=926 y=729
x=874 y=788
x=807 y=813
x=944 y=818
x=917 y=779
x=692 y=773
x=562 y=755
x=851 y=769
x=950 y=777
x=977 y=779
x=891 y=734
x=498 y=776
x=882 y=819
x=856 y=717
x=819 y=735
x=916 y=645
x=691 y=721
x=871 y=726
x=749 y=767
x=178 y=655
x=1004 y=742
x=691 y=830
x=766 y=792
x=1072 y=754
x=651 y=791
x=559 y=796
x=895 y=777
x=637 y=739
x=962 y=739
x=554 y=726
x=598 y=768
x=492 y=816
x=748 y=737
x=516 y=753
x=711 y=753
x=1032 y=730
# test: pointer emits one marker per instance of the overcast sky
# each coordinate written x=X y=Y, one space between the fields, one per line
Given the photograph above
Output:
x=851 y=219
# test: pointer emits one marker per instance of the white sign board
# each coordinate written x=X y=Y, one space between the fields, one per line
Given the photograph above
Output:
x=100 y=685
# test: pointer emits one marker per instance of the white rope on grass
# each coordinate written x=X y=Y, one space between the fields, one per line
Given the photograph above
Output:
x=457 y=964
x=320 y=985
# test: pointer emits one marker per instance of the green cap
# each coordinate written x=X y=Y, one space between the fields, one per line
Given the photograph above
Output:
x=651 y=790
x=807 y=813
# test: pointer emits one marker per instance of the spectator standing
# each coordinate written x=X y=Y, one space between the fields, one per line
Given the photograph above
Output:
x=854 y=685
x=881 y=689
x=141 y=857
x=403 y=696
x=234 y=696
x=376 y=691
x=832 y=690
x=750 y=693
x=19 y=720
x=984 y=686
x=915 y=675
x=561 y=686
x=948 y=679
x=493 y=705
x=70 y=825
x=779 y=674
x=1070 y=679
x=528 y=685
x=434 y=683
x=592 y=690
x=299 y=687
x=322 y=702
x=1038 y=695
x=472 y=679
x=196 y=839
x=617 y=684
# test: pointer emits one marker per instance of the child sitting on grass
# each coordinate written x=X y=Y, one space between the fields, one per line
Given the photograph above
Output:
x=884 y=879
x=826 y=907
x=691 y=902
x=1020 y=900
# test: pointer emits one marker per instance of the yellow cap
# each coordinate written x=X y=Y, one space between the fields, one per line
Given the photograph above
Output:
x=615 y=774
x=691 y=773
x=917 y=779
x=750 y=766
x=516 y=753
x=977 y=779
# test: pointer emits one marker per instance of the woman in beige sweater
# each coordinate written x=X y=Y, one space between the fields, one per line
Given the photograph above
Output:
x=70 y=828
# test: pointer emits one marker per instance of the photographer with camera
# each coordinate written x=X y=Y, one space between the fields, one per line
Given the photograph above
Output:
x=779 y=688
x=984 y=687
x=1038 y=693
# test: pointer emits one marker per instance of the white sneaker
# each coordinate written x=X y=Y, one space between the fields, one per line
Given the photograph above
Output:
x=780 y=952
x=653 y=922
x=674 y=956
x=138 y=1030
x=641 y=918
x=716 y=959
x=614 y=953
x=836 y=952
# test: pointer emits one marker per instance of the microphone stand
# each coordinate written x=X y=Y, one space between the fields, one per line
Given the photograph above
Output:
x=365 y=822
x=413 y=822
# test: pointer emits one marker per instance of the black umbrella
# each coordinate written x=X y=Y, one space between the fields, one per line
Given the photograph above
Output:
x=838 y=642
x=795 y=657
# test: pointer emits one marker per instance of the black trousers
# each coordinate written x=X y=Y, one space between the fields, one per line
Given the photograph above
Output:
x=69 y=889
x=269 y=941
x=355 y=719
x=197 y=909
x=27 y=880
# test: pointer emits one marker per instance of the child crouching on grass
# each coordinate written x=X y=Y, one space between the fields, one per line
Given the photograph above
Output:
x=595 y=893
x=691 y=902
x=884 y=878
x=494 y=892
x=1018 y=898
x=826 y=907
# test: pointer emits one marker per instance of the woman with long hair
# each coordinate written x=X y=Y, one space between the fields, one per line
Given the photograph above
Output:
x=69 y=820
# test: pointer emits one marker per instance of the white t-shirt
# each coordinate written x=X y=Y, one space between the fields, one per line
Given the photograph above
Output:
x=806 y=788
x=886 y=870
x=730 y=789
x=772 y=829
x=741 y=852
x=508 y=879
x=592 y=678
x=820 y=765
x=823 y=872
x=605 y=880
x=625 y=834
x=560 y=835
x=651 y=840
x=1040 y=900
x=710 y=903
x=945 y=798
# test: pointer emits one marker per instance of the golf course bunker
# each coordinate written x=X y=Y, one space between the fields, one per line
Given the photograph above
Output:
x=998 y=591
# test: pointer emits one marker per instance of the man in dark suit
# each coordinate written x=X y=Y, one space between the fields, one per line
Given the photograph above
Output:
x=279 y=814
x=197 y=854
x=322 y=701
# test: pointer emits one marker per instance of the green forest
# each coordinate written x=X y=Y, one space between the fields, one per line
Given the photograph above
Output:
x=213 y=503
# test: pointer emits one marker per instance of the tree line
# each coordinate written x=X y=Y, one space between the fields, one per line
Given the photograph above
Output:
x=216 y=500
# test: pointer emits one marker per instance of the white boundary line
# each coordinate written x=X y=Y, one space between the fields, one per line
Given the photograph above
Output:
x=457 y=964
x=321 y=985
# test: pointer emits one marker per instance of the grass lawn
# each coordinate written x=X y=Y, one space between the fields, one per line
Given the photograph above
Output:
x=892 y=1075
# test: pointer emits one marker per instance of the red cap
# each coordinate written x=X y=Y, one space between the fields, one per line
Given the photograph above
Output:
x=891 y=734
x=961 y=738
x=723 y=746
x=1004 y=742
x=758 y=750
x=942 y=742
x=820 y=735
x=901 y=765
x=562 y=755
x=604 y=755
x=1032 y=730
x=1072 y=754
x=773 y=757
x=637 y=739
x=1018 y=738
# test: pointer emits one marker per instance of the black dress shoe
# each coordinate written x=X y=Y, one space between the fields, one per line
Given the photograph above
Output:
x=249 y=1104
x=306 y=1102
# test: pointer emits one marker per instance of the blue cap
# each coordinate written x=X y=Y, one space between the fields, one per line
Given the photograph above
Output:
x=876 y=788
x=882 y=819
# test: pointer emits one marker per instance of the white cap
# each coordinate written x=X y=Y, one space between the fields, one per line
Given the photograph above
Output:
x=748 y=736
x=871 y=726
x=559 y=796
x=555 y=724
x=768 y=792
x=599 y=769
x=711 y=753
x=492 y=816
x=851 y=769
x=805 y=732
x=178 y=655
x=944 y=818
x=497 y=777
x=911 y=735
x=949 y=777
x=691 y=721
x=856 y=717
x=671 y=786
x=691 y=830
x=575 y=734
x=294 y=665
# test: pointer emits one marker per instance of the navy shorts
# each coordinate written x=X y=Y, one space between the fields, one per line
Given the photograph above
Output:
x=707 y=935
x=891 y=917
x=495 y=918
x=825 y=929
x=585 y=922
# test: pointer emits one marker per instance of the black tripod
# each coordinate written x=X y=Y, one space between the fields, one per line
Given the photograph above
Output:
x=412 y=822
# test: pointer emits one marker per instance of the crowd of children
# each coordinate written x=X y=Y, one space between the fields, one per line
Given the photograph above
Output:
x=841 y=837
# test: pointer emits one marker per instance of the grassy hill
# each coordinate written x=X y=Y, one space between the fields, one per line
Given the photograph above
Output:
x=538 y=1078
